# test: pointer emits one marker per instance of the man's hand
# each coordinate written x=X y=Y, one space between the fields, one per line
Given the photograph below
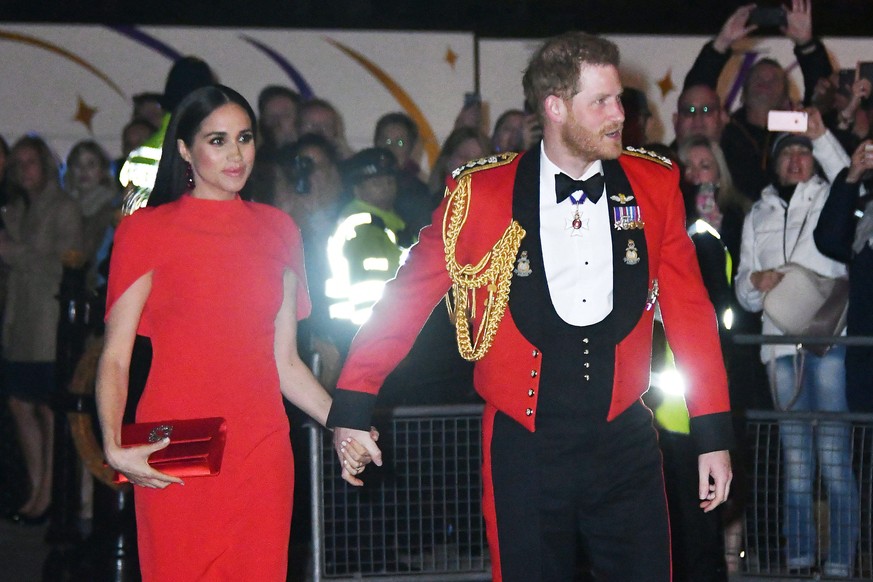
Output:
x=715 y=474
x=734 y=28
x=355 y=449
x=799 y=22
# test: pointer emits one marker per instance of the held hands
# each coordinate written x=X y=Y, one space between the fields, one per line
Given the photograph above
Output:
x=133 y=463
x=714 y=479
x=355 y=449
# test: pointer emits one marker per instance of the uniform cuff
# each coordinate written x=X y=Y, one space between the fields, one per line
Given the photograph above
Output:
x=713 y=432
x=351 y=409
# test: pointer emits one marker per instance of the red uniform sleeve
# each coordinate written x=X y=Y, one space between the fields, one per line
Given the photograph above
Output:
x=396 y=321
x=691 y=328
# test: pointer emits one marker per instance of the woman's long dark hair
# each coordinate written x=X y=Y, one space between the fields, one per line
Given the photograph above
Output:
x=171 y=181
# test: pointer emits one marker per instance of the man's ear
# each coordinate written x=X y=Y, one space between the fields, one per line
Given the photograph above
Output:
x=555 y=109
x=183 y=150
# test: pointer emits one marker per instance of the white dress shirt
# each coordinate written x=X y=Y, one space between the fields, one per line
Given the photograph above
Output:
x=578 y=263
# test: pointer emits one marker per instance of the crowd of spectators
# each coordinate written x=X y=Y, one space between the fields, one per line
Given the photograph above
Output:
x=358 y=212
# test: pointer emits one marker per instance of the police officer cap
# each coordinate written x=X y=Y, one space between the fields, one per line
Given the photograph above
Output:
x=783 y=140
x=369 y=163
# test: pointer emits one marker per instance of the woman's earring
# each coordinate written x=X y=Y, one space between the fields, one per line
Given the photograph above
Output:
x=189 y=175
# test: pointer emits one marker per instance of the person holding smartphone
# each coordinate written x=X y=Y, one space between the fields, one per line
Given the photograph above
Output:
x=841 y=235
x=745 y=139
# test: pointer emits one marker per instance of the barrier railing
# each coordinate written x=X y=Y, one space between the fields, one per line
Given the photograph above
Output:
x=767 y=539
x=416 y=518
x=844 y=524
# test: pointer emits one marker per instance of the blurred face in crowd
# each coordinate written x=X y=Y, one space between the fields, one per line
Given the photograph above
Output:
x=222 y=153
x=87 y=172
x=702 y=167
x=325 y=178
x=469 y=149
x=699 y=114
x=794 y=165
x=380 y=191
x=134 y=136
x=150 y=110
x=509 y=135
x=29 y=173
x=396 y=138
x=594 y=115
x=279 y=118
x=320 y=121
x=766 y=87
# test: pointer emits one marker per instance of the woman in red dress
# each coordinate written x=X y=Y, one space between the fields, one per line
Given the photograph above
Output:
x=217 y=284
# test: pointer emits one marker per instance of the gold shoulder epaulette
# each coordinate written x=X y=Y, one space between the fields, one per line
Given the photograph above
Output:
x=491 y=161
x=649 y=155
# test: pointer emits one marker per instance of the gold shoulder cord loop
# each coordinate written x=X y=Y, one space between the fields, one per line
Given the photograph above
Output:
x=493 y=272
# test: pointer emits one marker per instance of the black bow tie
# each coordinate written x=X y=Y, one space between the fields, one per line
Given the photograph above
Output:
x=565 y=185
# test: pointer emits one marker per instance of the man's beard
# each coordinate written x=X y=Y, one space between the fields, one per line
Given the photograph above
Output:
x=590 y=145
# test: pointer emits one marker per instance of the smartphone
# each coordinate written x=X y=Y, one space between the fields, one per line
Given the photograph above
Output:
x=847 y=79
x=865 y=70
x=791 y=121
x=768 y=17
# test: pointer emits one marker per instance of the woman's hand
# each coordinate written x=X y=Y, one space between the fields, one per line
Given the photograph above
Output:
x=765 y=280
x=862 y=162
x=133 y=463
x=355 y=450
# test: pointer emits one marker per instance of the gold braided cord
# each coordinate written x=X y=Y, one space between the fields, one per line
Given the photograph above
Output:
x=492 y=273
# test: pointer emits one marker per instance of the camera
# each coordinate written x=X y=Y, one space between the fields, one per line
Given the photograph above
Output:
x=300 y=173
x=768 y=17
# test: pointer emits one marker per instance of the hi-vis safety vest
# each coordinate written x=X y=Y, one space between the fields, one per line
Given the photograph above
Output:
x=139 y=171
x=363 y=255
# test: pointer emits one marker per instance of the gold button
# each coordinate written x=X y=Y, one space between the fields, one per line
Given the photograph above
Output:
x=529 y=411
x=533 y=373
x=531 y=392
x=535 y=353
x=587 y=377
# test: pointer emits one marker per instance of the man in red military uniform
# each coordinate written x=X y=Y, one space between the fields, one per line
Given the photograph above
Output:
x=555 y=281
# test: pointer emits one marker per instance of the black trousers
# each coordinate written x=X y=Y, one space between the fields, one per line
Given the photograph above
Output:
x=592 y=485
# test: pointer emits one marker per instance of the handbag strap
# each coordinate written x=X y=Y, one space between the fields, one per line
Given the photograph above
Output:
x=800 y=233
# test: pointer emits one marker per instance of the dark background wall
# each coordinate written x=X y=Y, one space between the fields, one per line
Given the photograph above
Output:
x=495 y=18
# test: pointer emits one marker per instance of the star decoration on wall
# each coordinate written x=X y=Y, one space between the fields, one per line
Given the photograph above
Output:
x=451 y=57
x=666 y=83
x=85 y=114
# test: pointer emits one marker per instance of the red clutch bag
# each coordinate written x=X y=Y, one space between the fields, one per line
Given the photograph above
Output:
x=195 y=450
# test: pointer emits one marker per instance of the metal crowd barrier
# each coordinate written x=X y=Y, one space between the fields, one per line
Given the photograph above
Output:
x=765 y=536
x=416 y=518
